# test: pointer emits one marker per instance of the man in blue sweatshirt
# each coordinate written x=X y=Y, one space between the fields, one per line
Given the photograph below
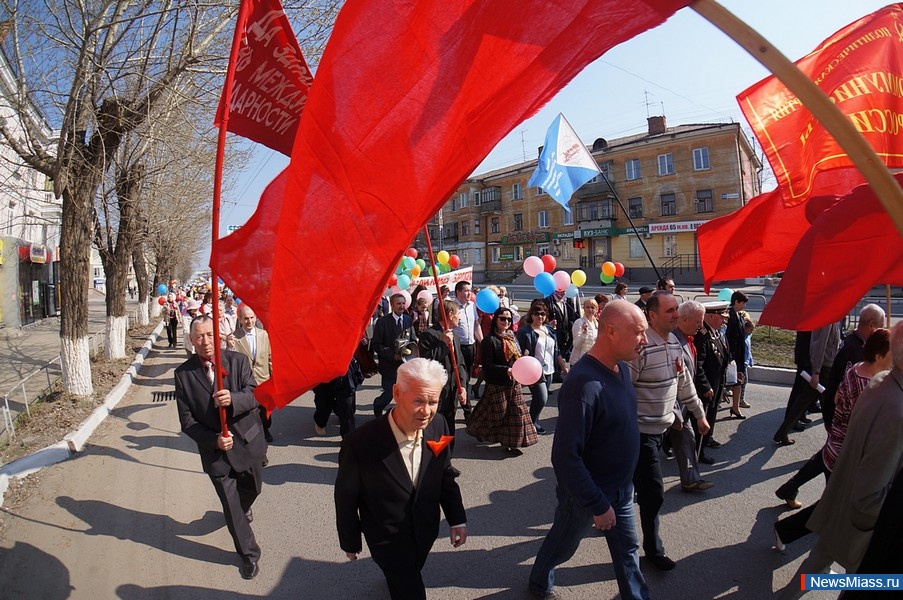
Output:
x=594 y=454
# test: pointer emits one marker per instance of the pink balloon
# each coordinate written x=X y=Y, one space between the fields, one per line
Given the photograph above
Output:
x=407 y=298
x=426 y=295
x=533 y=266
x=526 y=370
x=562 y=280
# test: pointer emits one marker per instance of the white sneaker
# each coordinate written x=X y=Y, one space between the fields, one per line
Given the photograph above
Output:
x=321 y=431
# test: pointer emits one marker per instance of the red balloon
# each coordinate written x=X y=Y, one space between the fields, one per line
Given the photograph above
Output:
x=619 y=269
x=161 y=300
x=548 y=263
x=412 y=252
x=454 y=261
x=393 y=279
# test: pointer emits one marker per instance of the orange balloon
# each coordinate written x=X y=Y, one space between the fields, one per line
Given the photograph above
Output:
x=608 y=268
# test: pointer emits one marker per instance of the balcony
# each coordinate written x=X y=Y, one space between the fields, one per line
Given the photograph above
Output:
x=597 y=211
x=491 y=200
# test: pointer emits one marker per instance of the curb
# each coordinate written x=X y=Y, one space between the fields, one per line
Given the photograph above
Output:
x=74 y=442
x=773 y=375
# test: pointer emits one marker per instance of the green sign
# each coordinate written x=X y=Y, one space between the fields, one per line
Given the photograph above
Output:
x=506 y=256
x=613 y=231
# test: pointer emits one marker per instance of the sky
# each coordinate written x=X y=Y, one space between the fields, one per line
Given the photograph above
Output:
x=686 y=69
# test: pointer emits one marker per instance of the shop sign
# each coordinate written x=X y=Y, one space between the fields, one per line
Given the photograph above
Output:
x=38 y=254
x=506 y=256
x=678 y=227
x=568 y=235
x=527 y=237
x=609 y=231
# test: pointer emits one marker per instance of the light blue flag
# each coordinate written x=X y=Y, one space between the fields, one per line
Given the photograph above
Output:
x=564 y=164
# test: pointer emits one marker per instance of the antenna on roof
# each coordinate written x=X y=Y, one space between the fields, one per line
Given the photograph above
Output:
x=523 y=144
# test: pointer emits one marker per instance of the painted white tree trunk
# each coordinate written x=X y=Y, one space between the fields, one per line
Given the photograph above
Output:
x=155 y=309
x=76 y=363
x=143 y=313
x=116 y=332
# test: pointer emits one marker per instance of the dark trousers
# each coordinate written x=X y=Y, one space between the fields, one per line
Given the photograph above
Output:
x=405 y=584
x=814 y=467
x=801 y=396
x=172 y=328
x=267 y=421
x=650 y=492
x=469 y=354
x=711 y=415
x=237 y=492
x=382 y=401
x=328 y=398
x=539 y=396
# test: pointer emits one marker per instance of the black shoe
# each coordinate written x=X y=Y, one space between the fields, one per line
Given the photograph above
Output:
x=377 y=413
x=784 y=442
x=799 y=427
x=265 y=461
x=669 y=453
x=706 y=460
x=544 y=595
x=250 y=514
x=713 y=444
x=249 y=570
x=805 y=420
x=815 y=408
x=268 y=436
x=662 y=563
x=539 y=428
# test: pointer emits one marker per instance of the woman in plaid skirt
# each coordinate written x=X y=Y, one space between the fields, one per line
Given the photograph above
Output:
x=501 y=415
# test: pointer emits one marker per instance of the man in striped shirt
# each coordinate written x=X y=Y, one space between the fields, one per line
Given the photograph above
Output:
x=661 y=382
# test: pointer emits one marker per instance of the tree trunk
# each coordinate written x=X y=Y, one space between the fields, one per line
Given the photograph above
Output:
x=117 y=328
x=143 y=319
x=116 y=317
x=139 y=263
x=75 y=253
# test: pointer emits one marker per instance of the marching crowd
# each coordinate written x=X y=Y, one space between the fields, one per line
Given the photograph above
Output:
x=639 y=381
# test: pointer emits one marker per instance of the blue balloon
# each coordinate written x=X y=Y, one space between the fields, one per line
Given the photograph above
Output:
x=725 y=294
x=162 y=289
x=404 y=281
x=571 y=292
x=487 y=301
x=544 y=283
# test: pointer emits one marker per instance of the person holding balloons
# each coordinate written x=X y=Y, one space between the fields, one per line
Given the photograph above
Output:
x=585 y=330
x=172 y=314
x=501 y=415
x=538 y=340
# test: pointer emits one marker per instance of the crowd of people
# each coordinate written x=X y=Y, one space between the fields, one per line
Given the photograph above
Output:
x=640 y=381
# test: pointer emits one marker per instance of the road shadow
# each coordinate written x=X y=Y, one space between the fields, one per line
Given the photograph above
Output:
x=29 y=572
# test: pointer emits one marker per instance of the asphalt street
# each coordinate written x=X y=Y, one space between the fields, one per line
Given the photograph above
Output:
x=134 y=517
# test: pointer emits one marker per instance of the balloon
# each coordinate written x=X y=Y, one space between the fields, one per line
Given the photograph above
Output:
x=526 y=370
x=608 y=268
x=162 y=289
x=407 y=298
x=444 y=268
x=619 y=269
x=400 y=268
x=408 y=262
x=544 y=284
x=442 y=257
x=606 y=278
x=404 y=281
x=454 y=261
x=237 y=301
x=572 y=291
x=394 y=290
x=562 y=280
x=548 y=263
x=426 y=295
x=578 y=277
x=412 y=252
x=487 y=301
x=725 y=294
x=161 y=300
x=415 y=271
x=421 y=263
x=393 y=280
x=533 y=266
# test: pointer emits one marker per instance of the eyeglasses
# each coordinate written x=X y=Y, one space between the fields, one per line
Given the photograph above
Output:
x=504 y=319
x=540 y=314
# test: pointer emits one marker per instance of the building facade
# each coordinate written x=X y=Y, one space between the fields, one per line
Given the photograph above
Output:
x=658 y=187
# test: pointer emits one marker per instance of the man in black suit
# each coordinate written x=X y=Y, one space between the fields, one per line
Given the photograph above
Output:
x=713 y=355
x=386 y=333
x=233 y=462
x=394 y=474
x=562 y=315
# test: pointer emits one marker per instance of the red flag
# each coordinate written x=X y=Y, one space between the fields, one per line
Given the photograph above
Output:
x=849 y=248
x=271 y=81
x=860 y=68
x=410 y=97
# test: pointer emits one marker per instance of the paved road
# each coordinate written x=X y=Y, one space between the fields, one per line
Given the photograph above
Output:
x=134 y=517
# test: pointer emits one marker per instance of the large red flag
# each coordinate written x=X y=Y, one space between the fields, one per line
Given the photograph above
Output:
x=850 y=247
x=860 y=68
x=409 y=98
x=271 y=81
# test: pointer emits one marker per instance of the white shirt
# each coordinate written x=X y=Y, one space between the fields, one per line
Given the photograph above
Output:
x=411 y=448
x=252 y=343
x=467 y=324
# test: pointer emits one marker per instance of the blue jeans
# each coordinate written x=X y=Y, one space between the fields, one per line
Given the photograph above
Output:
x=539 y=393
x=572 y=522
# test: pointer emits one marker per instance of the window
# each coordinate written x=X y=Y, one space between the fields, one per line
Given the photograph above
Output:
x=704 y=203
x=567 y=216
x=635 y=208
x=465 y=226
x=454 y=204
x=543 y=218
x=464 y=258
x=567 y=251
x=477 y=256
x=669 y=205
x=494 y=225
x=633 y=169
x=636 y=247
x=462 y=199
x=542 y=249
x=539 y=191
x=669 y=245
x=98 y=272
x=666 y=164
x=519 y=253
x=496 y=254
x=476 y=227
x=701 y=159
x=518 y=222
x=516 y=192
x=476 y=198
x=599 y=209
x=607 y=169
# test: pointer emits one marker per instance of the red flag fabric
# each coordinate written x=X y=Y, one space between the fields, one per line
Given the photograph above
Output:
x=271 y=81
x=409 y=98
x=860 y=68
x=849 y=248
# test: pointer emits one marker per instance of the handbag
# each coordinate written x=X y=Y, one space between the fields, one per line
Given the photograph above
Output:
x=730 y=375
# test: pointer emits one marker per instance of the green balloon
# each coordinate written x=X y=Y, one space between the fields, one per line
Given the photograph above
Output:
x=421 y=263
x=606 y=278
x=444 y=268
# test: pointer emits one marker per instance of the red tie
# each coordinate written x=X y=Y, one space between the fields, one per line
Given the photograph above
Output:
x=692 y=347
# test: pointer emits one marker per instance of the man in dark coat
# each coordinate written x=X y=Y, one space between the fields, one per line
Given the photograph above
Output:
x=387 y=332
x=436 y=344
x=234 y=461
x=395 y=473
x=713 y=356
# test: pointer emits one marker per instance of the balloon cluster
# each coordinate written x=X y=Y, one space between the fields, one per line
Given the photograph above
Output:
x=610 y=270
x=547 y=280
x=410 y=267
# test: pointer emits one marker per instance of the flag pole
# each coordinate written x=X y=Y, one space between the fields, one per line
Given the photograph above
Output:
x=243 y=11
x=857 y=148
x=451 y=348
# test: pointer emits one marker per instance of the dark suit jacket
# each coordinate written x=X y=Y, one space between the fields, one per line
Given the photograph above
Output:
x=712 y=354
x=432 y=345
x=564 y=323
x=200 y=418
x=384 y=336
x=374 y=495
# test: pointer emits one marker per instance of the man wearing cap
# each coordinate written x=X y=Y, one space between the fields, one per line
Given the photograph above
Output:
x=712 y=355
x=645 y=294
